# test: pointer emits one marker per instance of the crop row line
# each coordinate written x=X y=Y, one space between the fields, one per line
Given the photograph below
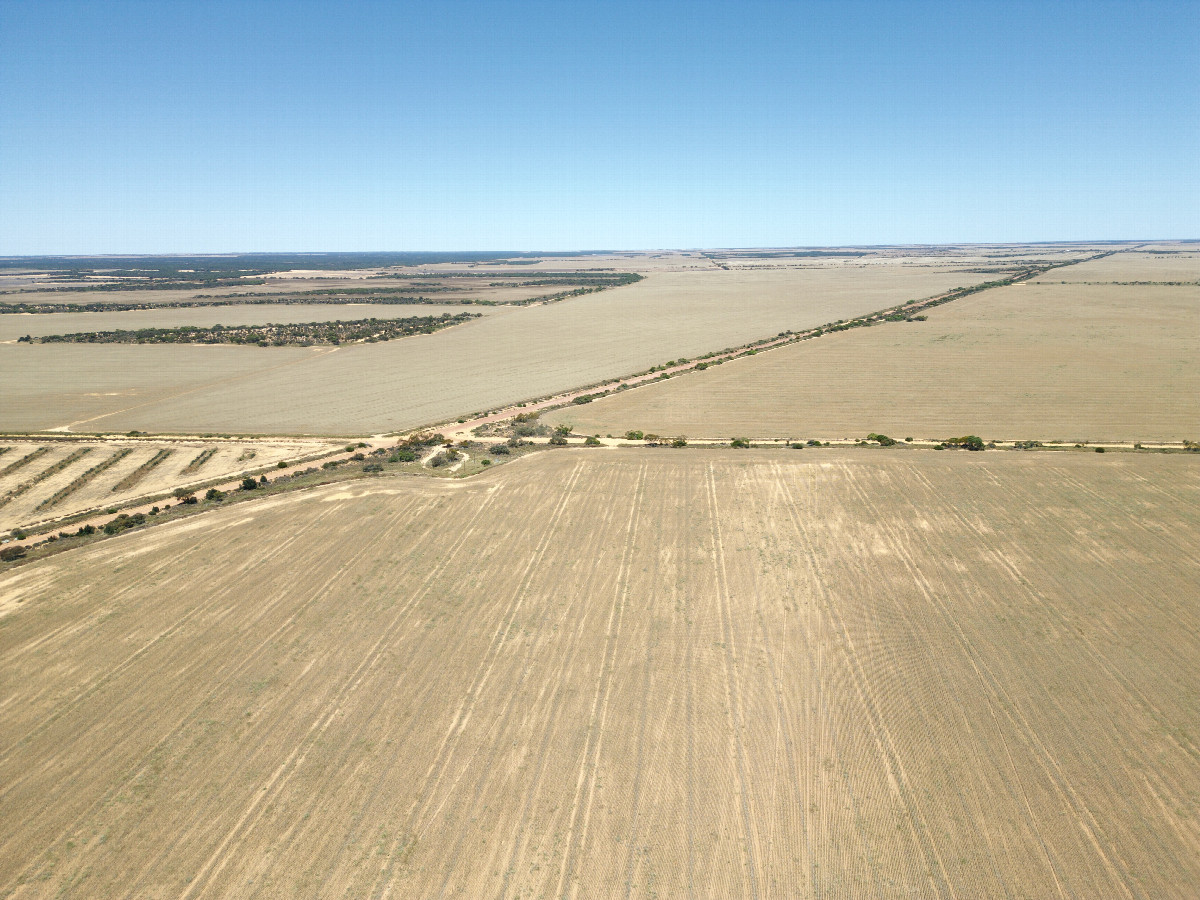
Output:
x=64 y=492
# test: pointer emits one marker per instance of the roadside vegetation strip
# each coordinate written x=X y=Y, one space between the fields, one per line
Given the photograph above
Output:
x=142 y=471
x=24 y=461
x=302 y=333
x=64 y=492
x=43 y=475
x=199 y=461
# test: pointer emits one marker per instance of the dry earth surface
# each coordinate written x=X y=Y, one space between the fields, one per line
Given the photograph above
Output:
x=114 y=473
x=484 y=363
x=1030 y=361
x=624 y=674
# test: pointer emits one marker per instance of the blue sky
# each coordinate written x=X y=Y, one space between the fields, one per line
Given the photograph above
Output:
x=210 y=127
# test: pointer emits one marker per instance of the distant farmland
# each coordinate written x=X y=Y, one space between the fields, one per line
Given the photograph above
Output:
x=505 y=357
x=1037 y=361
x=613 y=674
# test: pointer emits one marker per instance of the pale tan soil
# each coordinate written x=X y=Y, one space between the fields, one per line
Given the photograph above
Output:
x=479 y=365
x=651 y=673
x=51 y=385
x=1176 y=265
x=13 y=326
x=231 y=457
x=1045 y=362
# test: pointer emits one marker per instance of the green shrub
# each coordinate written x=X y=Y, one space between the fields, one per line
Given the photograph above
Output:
x=249 y=484
x=558 y=440
x=633 y=435
x=591 y=441
x=214 y=494
x=680 y=441
x=740 y=444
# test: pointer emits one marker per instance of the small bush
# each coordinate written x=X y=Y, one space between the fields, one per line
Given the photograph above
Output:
x=680 y=441
x=402 y=455
x=249 y=484
x=562 y=429
x=1099 y=449
x=740 y=444
x=811 y=443
x=214 y=494
x=634 y=435
x=590 y=441
x=373 y=467
x=558 y=440
x=439 y=460
x=281 y=464
x=882 y=439
x=485 y=462
x=183 y=498
x=8 y=554
x=499 y=450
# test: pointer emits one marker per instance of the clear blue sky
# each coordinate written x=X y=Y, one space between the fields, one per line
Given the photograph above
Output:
x=206 y=127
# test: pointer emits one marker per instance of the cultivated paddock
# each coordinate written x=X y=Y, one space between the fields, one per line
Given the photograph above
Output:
x=1032 y=361
x=45 y=480
x=624 y=674
x=502 y=358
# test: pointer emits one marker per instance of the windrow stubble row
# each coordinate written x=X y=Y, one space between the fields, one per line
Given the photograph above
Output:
x=641 y=674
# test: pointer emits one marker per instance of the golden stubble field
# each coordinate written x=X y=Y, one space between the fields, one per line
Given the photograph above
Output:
x=1027 y=362
x=44 y=480
x=624 y=674
x=501 y=358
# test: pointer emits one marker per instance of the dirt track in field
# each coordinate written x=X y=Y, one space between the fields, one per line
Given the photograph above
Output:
x=658 y=673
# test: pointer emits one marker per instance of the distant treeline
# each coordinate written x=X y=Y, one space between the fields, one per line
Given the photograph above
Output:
x=333 y=296
x=237 y=265
x=303 y=334
x=242 y=300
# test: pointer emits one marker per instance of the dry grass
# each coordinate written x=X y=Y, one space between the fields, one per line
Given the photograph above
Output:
x=613 y=675
x=505 y=357
x=1036 y=361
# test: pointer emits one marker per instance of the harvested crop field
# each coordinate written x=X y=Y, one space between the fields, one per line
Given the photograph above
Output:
x=38 y=484
x=1173 y=263
x=1027 y=362
x=488 y=362
x=607 y=673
